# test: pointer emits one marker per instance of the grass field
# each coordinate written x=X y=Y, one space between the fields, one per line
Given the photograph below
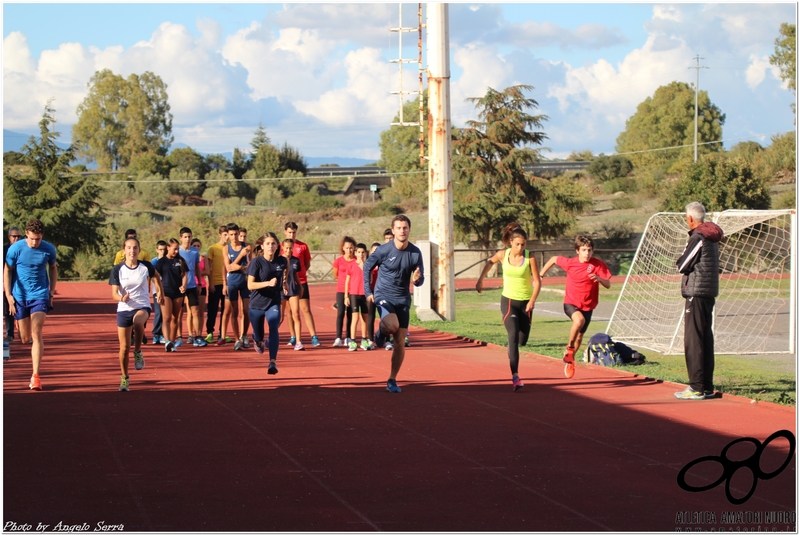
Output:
x=478 y=318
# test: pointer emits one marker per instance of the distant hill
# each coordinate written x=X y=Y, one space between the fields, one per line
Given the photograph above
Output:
x=14 y=141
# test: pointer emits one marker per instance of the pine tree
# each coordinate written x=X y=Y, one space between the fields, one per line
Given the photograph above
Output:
x=44 y=189
x=260 y=138
x=491 y=188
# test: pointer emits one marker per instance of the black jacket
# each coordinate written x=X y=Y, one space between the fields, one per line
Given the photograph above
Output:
x=699 y=262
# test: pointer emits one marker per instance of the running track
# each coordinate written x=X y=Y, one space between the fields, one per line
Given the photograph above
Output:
x=207 y=441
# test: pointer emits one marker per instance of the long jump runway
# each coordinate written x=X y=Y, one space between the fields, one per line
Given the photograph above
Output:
x=207 y=441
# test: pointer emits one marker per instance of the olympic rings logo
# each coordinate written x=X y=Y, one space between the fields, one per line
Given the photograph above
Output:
x=730 y=467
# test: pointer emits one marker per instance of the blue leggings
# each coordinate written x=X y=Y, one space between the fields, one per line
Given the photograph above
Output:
x=272 y=316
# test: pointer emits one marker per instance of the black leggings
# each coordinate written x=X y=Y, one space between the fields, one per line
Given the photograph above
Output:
x=340 y=310
x=370 y=319
x=517 y=323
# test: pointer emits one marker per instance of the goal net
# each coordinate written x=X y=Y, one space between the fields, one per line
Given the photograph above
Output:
x=756 y=305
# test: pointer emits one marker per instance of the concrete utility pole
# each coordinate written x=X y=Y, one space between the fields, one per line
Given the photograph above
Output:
x=441 y=270
x=696 y=106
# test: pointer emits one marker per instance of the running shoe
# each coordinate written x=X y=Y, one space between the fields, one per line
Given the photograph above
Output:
x=124 y=385
x=237 y=346
x=179 y=342
x=337 y=343
x=138 y=359
x=292 y=341
x=299 y=347
x=190 y=340
x=169 y=347
x=199 y=342
x=393 y=387
x=352 y=346
x=347 y=341
x=389 y=346
x=36 y=383
x=272 y=368
x=245 y=342
x=689 y=393
x=210 y=338
x=315 y=341
x=407 y=342
x=259 y=347
x=380 y=338
x=228 y=339
x=710 y=394
x=517 y=384
x=221 y=342
x=568 y=358
x=156 y=339
x=371 y=347
x=365 y=344
x=161 y=340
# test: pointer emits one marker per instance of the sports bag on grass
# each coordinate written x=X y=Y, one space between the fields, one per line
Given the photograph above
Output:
x=602 y=351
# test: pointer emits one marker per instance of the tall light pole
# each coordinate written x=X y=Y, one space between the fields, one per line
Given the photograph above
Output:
x=442 y=241
x=696 y=107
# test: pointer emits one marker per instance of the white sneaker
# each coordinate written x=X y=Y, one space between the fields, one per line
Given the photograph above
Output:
x=389 y=346
x=337 y=343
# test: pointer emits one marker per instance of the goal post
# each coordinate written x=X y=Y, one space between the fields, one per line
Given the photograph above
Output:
x=756 y=307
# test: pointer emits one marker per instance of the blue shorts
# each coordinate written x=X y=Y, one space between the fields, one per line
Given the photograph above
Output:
x=25 y=308
x=403 y=312
x=233 y=292
x=125 y=318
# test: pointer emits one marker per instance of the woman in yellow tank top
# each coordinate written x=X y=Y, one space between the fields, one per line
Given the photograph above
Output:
x=520 y=287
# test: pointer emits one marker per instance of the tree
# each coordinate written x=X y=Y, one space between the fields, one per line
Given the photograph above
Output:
x=581 y=156
x=259 y=139
x=65 y=203
x=606 y=168
x=666 y=120
x=720 y=184
x=399 y=153
x=491 y=188
x=784 y=56
x=121 y=118
x=217 y=162
x=188 y=159
x=240 y=163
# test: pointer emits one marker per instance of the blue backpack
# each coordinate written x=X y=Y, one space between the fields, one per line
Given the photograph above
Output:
x=602 y=351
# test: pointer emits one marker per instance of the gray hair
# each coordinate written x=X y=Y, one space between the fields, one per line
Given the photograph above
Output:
x=13 y=228
x=696 y=210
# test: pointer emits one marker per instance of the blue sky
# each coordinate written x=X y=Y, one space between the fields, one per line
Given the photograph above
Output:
x=319 y=77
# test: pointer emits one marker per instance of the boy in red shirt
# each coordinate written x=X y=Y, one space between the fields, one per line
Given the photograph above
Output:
x=584 y=274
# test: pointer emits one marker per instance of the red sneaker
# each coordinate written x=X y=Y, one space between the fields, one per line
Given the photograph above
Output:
x=568 y=358
x=36 y=383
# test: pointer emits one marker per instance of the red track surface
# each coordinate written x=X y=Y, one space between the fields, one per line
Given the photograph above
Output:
x=207 y=441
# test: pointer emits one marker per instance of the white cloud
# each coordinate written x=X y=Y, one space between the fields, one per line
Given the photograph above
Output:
x=616 y=91
x=756 y=72
x=667 y=13
x=366 y=97
x=295 y=64
x=483 y=67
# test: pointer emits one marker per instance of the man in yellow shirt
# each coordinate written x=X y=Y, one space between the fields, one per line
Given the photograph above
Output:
x=120 y=256
x=216 y=288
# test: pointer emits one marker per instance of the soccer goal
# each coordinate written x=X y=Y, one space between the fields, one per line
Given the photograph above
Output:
x=756 y=306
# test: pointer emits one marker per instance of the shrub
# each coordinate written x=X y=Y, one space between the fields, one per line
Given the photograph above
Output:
x=625 y=184
x=624 y=202
x=606 y=168
x=617 y=231
x=784 y=201
x=308 y=201
x=384 y=208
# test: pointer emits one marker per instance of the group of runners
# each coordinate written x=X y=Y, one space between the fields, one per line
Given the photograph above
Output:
x=260 y=284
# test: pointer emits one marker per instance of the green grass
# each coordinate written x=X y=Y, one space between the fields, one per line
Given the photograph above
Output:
x=478 y=318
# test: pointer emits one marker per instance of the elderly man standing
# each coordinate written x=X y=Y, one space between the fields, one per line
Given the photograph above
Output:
x=699 y=265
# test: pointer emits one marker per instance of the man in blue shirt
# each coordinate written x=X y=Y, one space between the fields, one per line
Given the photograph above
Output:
x=192 y=258
x=29 y=288
x=400 y=263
